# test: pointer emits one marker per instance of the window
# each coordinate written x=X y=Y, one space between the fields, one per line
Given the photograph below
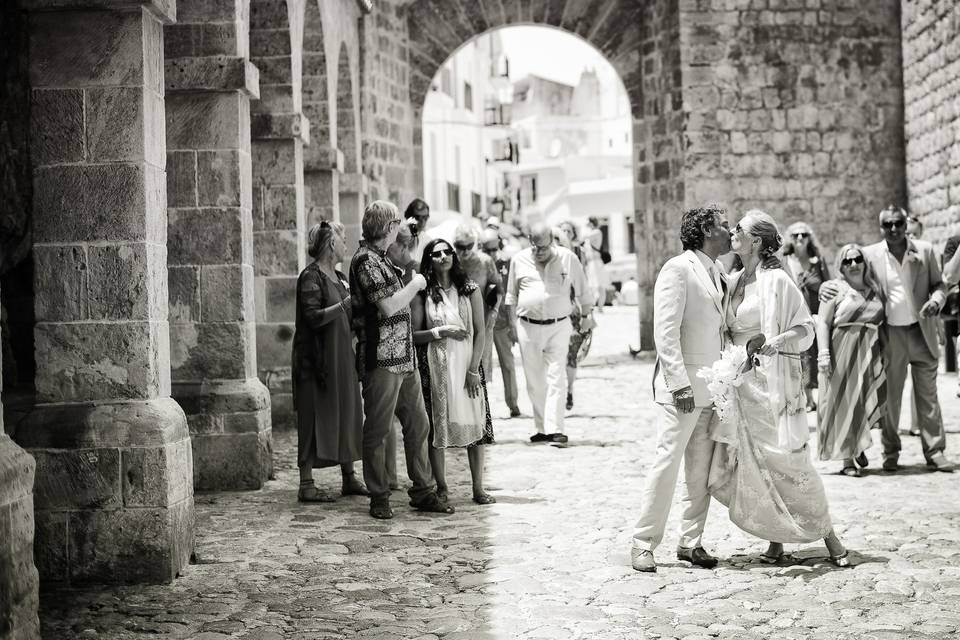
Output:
x=631 y=240
x=476 y=204
x=446 y=82
x=467 y=96
x=453 y=196
x=528 y=190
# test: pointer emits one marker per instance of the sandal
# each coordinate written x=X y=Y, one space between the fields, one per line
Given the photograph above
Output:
x=484 y=498
x=443 y=496
x=862 y=459
x=850 y=472
x=842 y=560
x=353 y=487
x=432 y=504
x=763 y=557
x=312 y=494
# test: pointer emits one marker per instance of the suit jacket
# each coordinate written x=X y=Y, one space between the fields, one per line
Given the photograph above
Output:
x=927 y=283
x=688 y=327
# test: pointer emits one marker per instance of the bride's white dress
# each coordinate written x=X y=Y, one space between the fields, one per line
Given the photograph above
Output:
x=772 y=493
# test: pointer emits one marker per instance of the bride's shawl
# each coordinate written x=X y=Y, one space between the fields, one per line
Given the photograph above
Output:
x=782 y=307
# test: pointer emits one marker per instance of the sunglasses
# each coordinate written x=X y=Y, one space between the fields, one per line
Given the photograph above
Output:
x=894 y=224
x=441 y=253
x=800 y=235
x=846 y=262
x=462 y=247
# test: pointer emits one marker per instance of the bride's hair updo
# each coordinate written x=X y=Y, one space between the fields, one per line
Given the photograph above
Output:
x=763 y=226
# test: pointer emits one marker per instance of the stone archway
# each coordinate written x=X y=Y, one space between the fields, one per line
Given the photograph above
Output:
x=646 y=58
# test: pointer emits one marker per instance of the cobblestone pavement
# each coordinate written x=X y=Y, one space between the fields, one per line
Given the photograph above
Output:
x=551 y=558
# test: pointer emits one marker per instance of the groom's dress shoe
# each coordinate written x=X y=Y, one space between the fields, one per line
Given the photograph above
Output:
x=697 y=556
x=642 y=560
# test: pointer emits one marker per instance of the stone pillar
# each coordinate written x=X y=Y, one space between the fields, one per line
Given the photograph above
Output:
x=114 y=484
x=279 y=130
x=353 y=194
x=209 y=84
x=18 y=575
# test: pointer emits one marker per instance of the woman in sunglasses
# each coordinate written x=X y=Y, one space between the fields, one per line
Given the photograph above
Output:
x=448 y=329
x=804 y=263
x=853 y=395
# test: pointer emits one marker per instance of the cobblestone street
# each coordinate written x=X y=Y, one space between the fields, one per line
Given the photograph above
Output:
x=551 y=558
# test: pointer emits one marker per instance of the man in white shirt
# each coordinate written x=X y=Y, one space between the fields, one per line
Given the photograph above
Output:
x=909 y=274
x=543 y=282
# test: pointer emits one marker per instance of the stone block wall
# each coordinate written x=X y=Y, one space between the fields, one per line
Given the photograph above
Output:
x=931 y=87
x=795 y=107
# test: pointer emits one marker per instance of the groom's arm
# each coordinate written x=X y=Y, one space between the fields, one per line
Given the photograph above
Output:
x=669 y=302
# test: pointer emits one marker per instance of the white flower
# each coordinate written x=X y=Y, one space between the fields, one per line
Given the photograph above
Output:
x=725 y=374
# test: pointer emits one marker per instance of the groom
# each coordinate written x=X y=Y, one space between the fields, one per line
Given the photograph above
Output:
x=688 y=327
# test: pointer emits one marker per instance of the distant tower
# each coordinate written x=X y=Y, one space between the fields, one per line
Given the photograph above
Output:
x=587 y=94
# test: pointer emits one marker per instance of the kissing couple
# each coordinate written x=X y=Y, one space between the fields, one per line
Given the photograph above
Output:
x=756 y=462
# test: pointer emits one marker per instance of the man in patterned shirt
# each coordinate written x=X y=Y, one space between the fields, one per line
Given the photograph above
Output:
x=386 y=364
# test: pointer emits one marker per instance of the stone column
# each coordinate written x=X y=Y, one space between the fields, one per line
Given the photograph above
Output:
x=279 y=130
x=353 y=194
x=18 y=575
x=209 y=84
x=114 y=485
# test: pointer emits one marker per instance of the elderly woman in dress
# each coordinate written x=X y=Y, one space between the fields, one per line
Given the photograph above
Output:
x=448 y=321
x=853 y=395
x=804 y=262
x=325 y=386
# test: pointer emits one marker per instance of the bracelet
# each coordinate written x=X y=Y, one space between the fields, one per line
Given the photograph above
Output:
x=435 y=332
x=473 y=373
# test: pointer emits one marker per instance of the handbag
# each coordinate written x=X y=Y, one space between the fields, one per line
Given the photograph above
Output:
x=605 y=256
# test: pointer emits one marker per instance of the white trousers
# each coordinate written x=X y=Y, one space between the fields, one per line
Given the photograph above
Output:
x=543 y=349
x=680 y=436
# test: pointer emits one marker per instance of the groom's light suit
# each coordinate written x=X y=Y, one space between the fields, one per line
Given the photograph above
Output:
x=688 y=328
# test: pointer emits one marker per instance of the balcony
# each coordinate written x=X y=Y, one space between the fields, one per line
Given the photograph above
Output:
x=497 y=115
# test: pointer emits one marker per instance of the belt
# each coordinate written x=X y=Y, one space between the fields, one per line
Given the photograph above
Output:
x=535 y=321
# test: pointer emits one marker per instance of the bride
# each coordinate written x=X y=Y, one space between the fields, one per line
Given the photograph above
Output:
x=761 y=467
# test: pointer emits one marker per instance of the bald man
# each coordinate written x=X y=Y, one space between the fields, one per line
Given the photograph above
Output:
x=543 y=282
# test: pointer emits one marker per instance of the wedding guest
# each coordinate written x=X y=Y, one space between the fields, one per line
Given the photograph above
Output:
x=567 y=237
x=418 y=215
x=806 y=266
x=325 y=389
x=481 y=268
x=448 y=320
x=908 y=273
x=386 y=364
x=595 y=256
x=538 y=295
x=914 y=228
x=504 y=331
x=853 y=397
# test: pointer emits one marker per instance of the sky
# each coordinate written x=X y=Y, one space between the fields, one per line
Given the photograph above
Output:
x=551 y=53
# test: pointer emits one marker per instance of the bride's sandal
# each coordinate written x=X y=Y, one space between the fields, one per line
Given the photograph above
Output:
x=771 y=558
x=842 y=560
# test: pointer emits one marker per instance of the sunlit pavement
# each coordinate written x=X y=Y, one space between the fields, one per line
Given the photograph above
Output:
x=551 y=558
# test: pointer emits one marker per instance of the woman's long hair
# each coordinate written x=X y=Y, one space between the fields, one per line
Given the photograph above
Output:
x=869 y=277
x=457 y=274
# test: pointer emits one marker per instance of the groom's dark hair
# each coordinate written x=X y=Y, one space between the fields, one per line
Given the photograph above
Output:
x=693 y=223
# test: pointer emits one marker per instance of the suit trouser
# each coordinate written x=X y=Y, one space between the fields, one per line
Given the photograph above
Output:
x=543 y=349
x=501 y=340
x=386 y=394
x=906 y=345
x=681 y=436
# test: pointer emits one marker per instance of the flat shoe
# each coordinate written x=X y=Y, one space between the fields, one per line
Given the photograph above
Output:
x=763 y=557
x=850 y=472
x=842 y=560
x=862 y=460
x=381 y=511
x=484 y=498
x=354 y=488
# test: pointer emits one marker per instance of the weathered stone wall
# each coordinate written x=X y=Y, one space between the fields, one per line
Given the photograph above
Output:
x=931 y=79
x=795 y=107
x=659 y=152
x=389 y=122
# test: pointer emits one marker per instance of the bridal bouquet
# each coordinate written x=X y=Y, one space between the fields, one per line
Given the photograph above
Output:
x=723 y=376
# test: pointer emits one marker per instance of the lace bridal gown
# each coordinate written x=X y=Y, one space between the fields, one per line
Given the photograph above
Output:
x=771 y=491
